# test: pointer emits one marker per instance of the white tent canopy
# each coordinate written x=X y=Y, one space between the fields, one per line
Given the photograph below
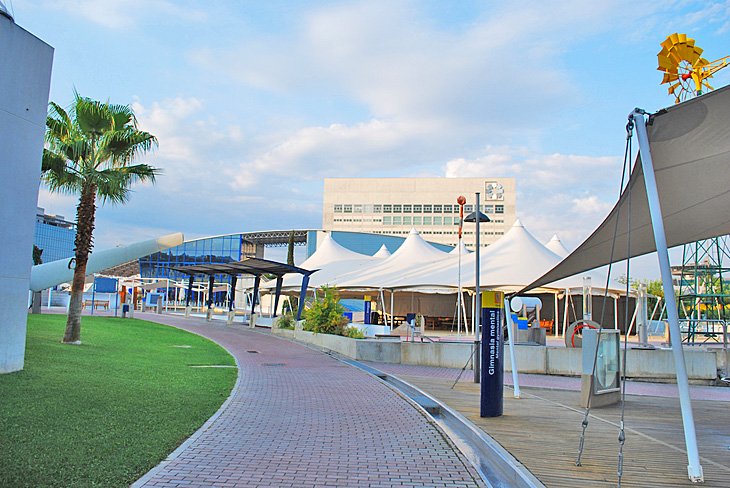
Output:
x=462 y=247
x=556 y=246
x=382 y=252
x=514 y=261
x=412 y=255
x=329 y=251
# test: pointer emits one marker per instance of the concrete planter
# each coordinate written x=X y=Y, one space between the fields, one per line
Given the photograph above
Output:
x=447 y=355
x=287 y=333
x=702 y=366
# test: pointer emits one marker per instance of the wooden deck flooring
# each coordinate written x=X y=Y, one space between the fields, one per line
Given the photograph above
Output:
x=542 y=430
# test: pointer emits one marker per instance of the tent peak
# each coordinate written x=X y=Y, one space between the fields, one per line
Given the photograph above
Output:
x=383 y=252
x=518 y=223
x=413 y=231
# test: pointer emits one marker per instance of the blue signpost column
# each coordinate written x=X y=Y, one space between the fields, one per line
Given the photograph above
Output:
x=492 y=384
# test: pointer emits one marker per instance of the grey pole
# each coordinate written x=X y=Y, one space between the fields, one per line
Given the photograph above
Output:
x=694 y=468
x=477 y=297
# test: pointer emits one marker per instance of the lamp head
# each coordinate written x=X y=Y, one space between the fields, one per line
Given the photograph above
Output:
x=472 y=217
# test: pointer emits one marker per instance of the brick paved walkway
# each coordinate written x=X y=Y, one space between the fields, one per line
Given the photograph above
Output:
x=299 y=418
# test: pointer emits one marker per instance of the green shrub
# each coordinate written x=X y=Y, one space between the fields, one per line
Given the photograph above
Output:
x=354 y=333
x=325 y=315
x=286 y=321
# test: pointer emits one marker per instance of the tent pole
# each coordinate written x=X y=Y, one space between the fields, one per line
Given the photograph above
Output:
x=556 y=316
x=615 y=312
x=512 y=359
x=694 y=468
x=565 y=313
x=392 y=308
x=458 y=299
x=463 y=311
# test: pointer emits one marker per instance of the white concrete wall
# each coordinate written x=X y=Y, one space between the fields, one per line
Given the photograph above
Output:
x=702 y=366
x=25 y=75
x=448 y=355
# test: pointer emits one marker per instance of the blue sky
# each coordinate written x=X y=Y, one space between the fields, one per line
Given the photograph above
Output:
x=255 y=102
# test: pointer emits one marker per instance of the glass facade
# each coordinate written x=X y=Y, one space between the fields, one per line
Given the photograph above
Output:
x=221 y=249
x=56 y=241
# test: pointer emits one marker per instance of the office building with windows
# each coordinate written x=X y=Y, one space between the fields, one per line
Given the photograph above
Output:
x=54 y=235
x=393 y=206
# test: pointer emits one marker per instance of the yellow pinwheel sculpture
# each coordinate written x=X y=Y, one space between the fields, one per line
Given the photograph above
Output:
x=684 y=68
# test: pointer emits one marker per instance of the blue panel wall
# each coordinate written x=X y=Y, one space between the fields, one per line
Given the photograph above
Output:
x=56 y=242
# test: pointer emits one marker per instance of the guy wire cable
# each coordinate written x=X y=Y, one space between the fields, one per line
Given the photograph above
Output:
x=627 y=157
x=622 y=433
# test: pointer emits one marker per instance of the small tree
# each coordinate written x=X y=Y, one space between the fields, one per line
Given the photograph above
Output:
x=90 y=152
x=37 y=255
x=325 y=316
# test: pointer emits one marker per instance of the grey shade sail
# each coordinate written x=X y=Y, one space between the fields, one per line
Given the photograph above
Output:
x=252 y=266
x=690 y=148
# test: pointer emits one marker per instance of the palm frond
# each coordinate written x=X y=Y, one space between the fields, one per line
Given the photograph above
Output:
x=58 y=122
x=53 y=162
x=123 y=116
x=57 y=175
x=77 y=150
x=121 y=147
x=58 y=112
x=114 y=183
x=93 y=117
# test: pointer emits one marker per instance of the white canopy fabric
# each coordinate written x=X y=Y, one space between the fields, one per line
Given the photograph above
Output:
x=329 y=251
x=513 y=261
x=332 y=260
x=412 y=255
x=462 y=246
x=556 y=246
x=690 y=148
x=517 y=259
x=382 y=252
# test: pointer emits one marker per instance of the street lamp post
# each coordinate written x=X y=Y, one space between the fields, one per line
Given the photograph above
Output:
x=477 y=216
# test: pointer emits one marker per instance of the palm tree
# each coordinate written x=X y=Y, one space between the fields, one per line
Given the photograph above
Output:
x=90 y=152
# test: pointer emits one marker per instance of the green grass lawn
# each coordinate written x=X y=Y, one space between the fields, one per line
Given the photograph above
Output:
x=105 y=412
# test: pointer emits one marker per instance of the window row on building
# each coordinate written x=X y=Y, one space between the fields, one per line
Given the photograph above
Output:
x=411 y=208
x=438 y=232
x=408 y=220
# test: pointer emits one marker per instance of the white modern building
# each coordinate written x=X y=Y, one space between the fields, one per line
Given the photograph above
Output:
x=25 y=77
x=393 y=206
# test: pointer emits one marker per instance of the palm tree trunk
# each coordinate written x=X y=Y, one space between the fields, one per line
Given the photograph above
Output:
x=85 y=215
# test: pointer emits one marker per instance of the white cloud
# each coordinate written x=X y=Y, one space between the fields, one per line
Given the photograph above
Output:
x=403 y=66
x=556 y=193
x=125 y=14
x=312 y=153
x=58 y=203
